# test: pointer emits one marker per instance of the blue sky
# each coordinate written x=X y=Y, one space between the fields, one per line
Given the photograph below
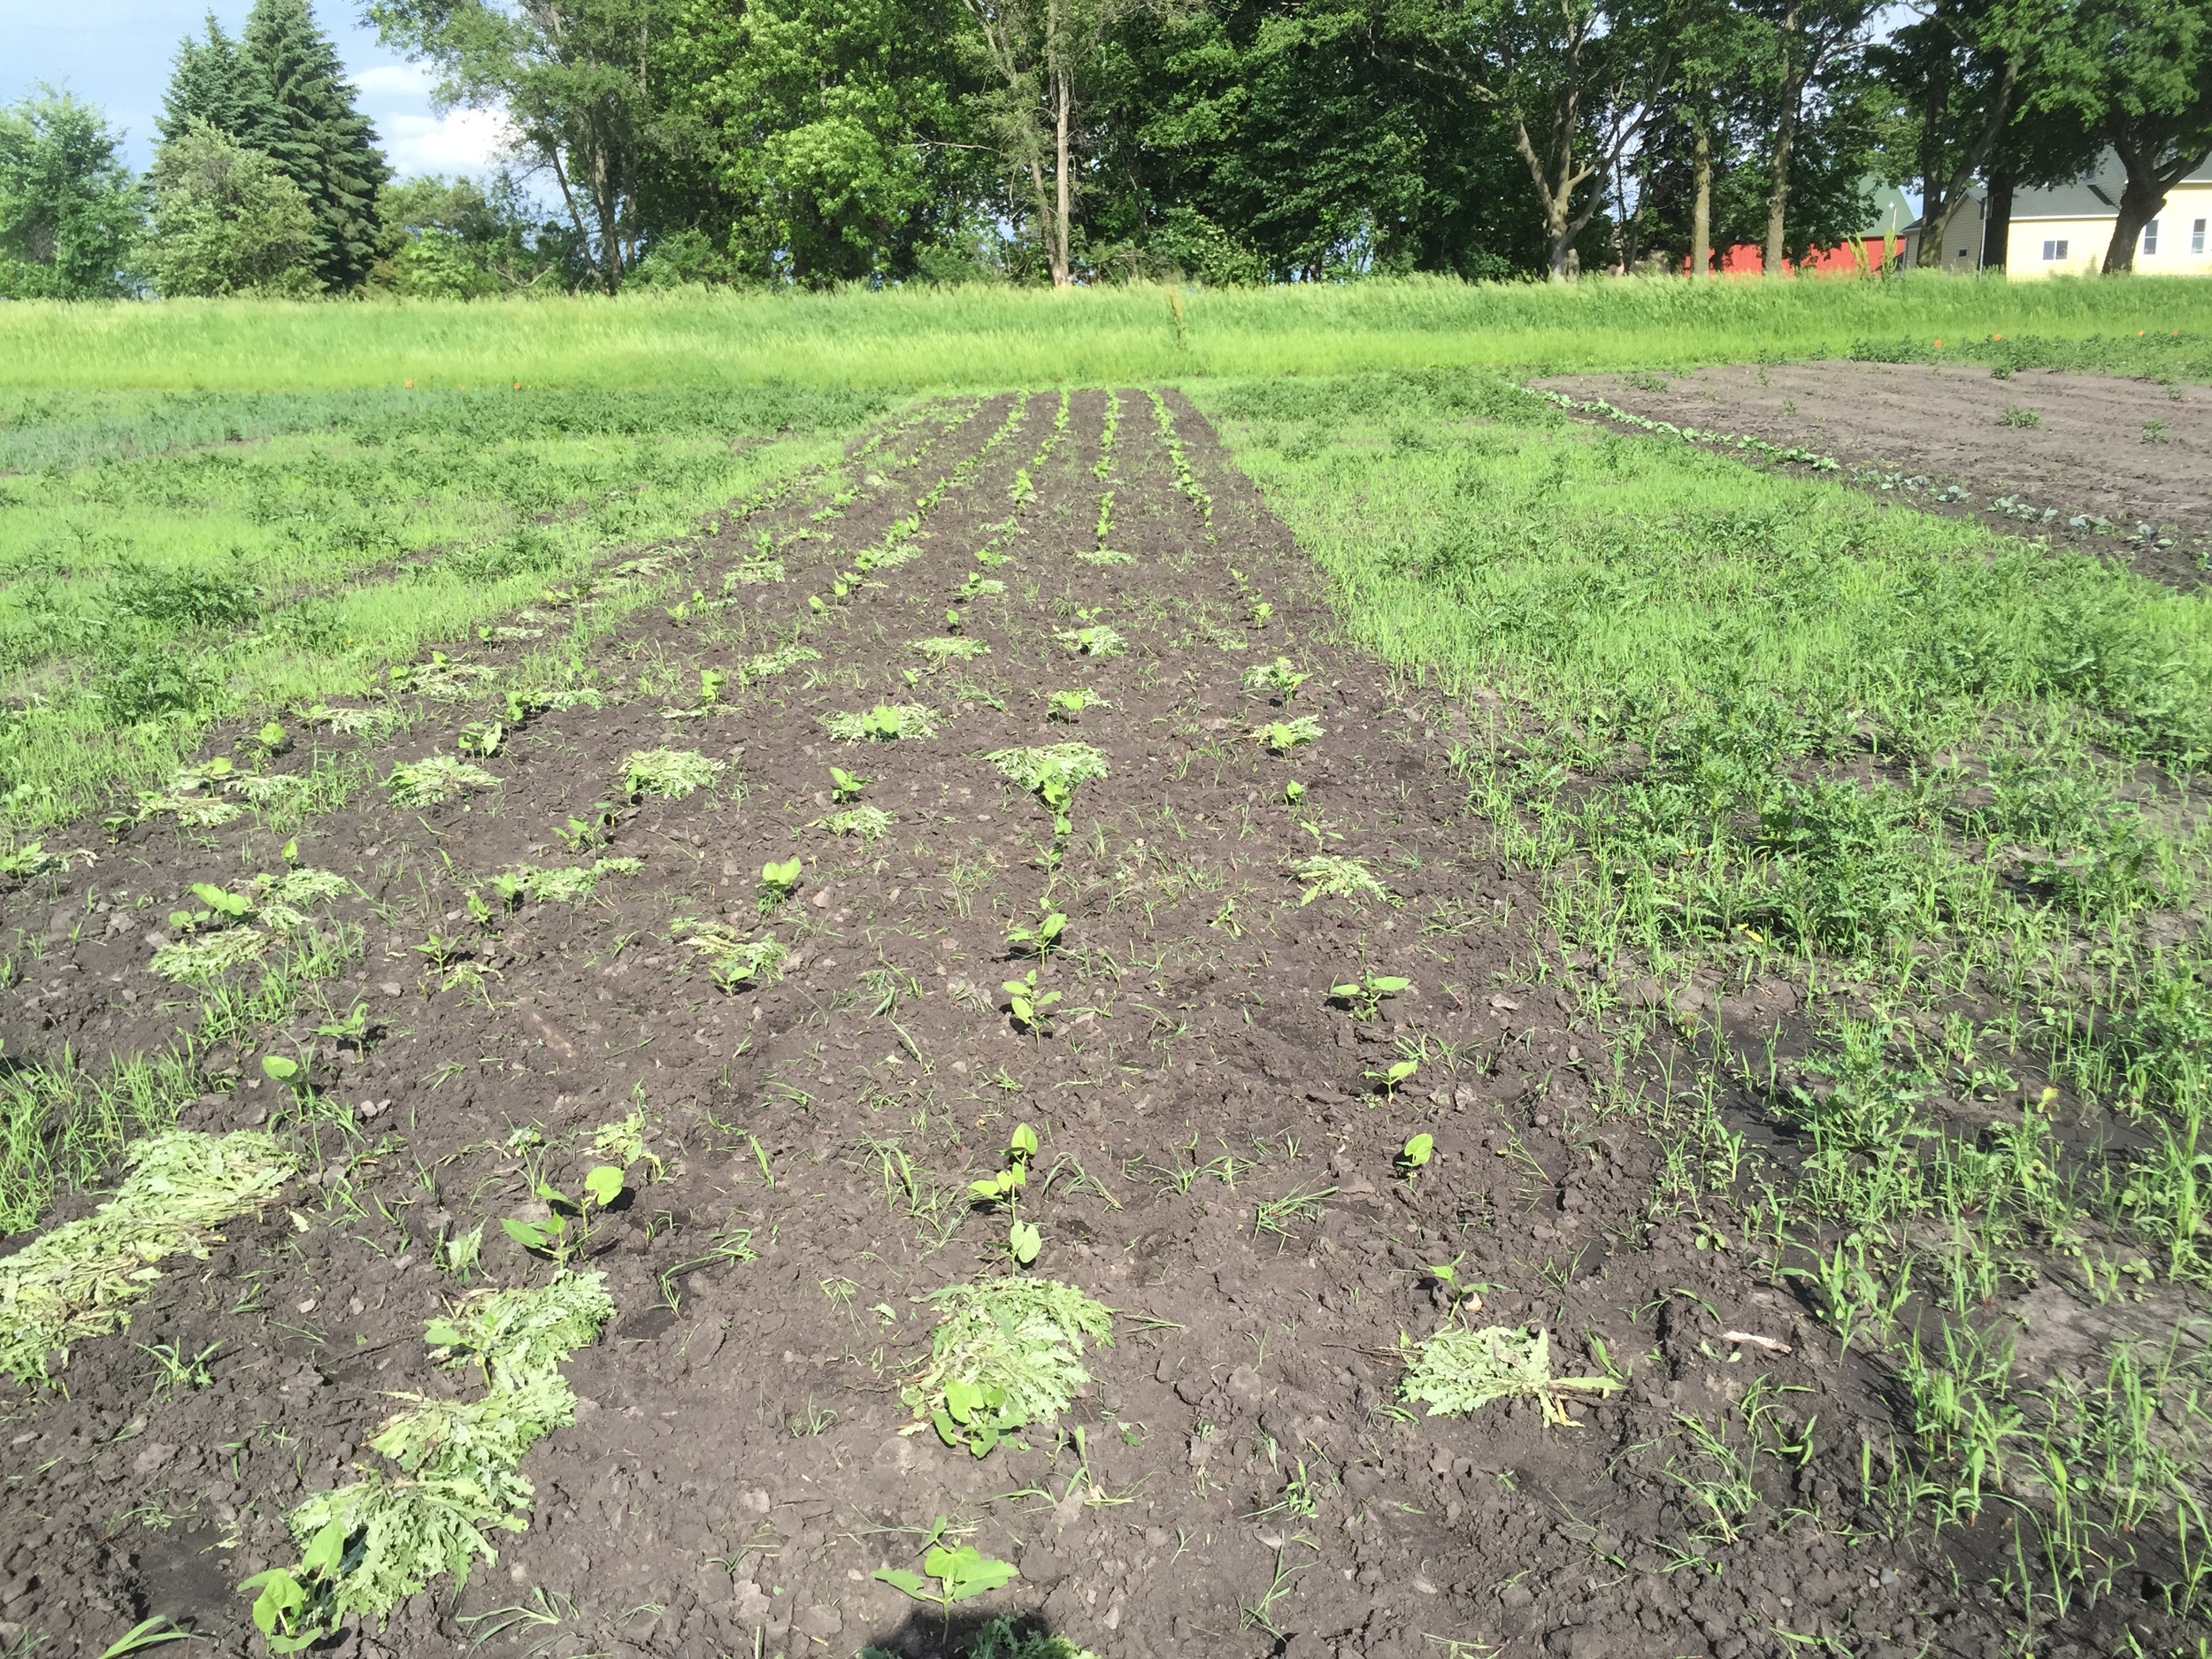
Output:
x=116 y=53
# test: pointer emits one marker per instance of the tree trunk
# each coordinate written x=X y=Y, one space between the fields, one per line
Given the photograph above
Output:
x=2141 y=201
x=1063 y=191
x=1785 y=134
x=1702 y=208
x=1997 y=225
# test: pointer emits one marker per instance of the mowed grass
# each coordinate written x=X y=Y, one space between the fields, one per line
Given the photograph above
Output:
x=170 y=560
x=993 y=337
x=1946 y=786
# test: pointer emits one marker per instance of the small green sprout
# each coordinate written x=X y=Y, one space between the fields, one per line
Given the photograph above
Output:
x=961 y=1574
x=885 y=723
x=1066 y=705
x=1029 y=1005
x=1041 y=939
x=443 y=950
x=1294 y=792
x=711 y=683
x=845 y=787
x=1414 y=1157
x=1396 y=1077
x=778 y=882
x=1282 y=736
x=564 y=1234
x=273 y=738
x=1365 y=994
x=481 y=738
x=1004 y=1186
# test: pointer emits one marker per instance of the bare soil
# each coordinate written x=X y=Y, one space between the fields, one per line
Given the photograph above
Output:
x=1915 y=429
x=738 y=1470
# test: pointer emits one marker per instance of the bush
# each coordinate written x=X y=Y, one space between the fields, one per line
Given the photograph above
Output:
x=227 y=220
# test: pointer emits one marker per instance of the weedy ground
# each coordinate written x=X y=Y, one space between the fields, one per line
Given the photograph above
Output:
x=1602 y=1054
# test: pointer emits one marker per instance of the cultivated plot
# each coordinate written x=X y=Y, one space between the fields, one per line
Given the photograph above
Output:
x=960 y=1070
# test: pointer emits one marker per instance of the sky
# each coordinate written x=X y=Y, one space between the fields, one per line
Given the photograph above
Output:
x=117 y=54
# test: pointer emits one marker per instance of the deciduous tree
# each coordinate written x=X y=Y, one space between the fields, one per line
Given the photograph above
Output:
x=69 y=208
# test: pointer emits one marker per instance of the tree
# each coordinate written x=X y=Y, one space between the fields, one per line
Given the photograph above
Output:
x=1718 y=48
x=324 y=144
x=1808 y=35
x=1961 y=69
x=281 y=90
x=576 y=79
x=811 y=140
x=215 y=81
x=69 y=209
x=1037 y=53
x=227 y=220
x=2135 y=75
x=1577 y=82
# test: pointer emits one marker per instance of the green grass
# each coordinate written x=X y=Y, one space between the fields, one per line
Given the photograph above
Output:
x=173 y=560
x=1746 y=725
x=994 y=337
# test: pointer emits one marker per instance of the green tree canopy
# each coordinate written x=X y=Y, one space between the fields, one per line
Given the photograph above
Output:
x=227 y=220
x=69 y=209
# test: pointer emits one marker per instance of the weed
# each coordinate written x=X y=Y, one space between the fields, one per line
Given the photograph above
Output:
x=77 y=1282
x=864 y=823
x=885 y=723
x=435 y=780
x=2016 y=416
x=731 y=961
x=670 y=773
x=942 y=650
x=1277 y=679
x=1007 y=1354
x=1334 y=876
x=1097 y=640
x=1459 y=1371
x=369 y=1544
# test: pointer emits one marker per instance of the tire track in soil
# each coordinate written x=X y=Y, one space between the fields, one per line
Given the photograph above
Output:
x=737 y=1469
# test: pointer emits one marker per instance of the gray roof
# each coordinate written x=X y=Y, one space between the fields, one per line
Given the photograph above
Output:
x=2095 y=195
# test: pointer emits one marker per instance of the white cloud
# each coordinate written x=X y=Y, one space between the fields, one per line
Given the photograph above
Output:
x=408 y=82
x=460 y=141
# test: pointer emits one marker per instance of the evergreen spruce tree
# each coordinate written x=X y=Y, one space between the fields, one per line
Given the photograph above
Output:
x=216 y=82
x=322 y=143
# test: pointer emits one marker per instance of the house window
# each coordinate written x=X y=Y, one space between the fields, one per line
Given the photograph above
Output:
x=2055 y=250
x=2196 y=237
x=2150 y=237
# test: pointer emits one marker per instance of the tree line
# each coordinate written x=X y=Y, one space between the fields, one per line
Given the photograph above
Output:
x=818 y=143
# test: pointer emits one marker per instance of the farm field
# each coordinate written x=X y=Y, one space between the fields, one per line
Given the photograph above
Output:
x=2108 y=463
x=1343 y=1014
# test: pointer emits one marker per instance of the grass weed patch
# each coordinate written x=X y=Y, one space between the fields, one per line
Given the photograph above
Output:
x=1753 y=728
x=167 y=562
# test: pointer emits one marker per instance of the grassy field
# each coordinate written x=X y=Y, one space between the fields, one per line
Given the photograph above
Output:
x=990 y=337
x=1949 y=789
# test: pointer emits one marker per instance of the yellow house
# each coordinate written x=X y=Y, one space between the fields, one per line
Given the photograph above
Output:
x=2067 y=228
